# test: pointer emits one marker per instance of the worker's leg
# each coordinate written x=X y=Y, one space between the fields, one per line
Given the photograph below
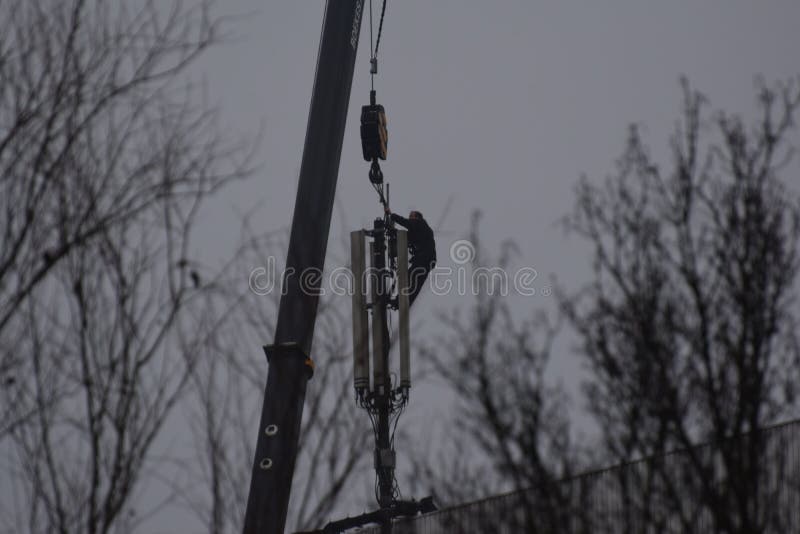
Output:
x=416 y=279
x=418 y=273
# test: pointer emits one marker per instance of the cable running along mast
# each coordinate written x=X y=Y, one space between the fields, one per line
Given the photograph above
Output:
x=376 y=293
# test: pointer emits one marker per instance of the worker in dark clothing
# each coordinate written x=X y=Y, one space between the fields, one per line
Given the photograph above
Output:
x=422 y=247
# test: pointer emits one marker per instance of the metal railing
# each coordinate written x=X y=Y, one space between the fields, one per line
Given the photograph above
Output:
x=685 y=491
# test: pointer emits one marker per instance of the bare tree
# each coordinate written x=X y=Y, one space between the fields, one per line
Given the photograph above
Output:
x=689 y=331
x=335 y=439
x=105 y=158
x=689 y=325
x=94 y=132
x=107 y=323
x=511 y=429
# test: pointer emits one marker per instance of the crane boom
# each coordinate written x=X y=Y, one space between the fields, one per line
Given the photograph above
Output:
x=290 y=366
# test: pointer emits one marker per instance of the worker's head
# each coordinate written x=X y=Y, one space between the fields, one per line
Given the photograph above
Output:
x=415 y=215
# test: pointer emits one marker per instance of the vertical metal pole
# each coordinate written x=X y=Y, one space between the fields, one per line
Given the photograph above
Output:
x=377 y=318
x=289 y=364
x=402 y=311
x=384 y=455
x=360 y=318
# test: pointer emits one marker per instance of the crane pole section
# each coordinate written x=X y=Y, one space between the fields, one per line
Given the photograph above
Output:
x=290 y=365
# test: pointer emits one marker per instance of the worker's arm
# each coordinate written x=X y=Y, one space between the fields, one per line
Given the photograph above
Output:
x=402 y=221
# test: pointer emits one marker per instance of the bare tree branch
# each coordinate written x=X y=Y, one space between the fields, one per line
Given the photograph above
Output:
x=689 y=326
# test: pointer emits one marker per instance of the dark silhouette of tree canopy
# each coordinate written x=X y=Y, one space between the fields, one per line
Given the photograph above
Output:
x=689 y=326
x=506 y=412
x=106 y=156
x=689 y=332
x=110 y=331
x=335 y=438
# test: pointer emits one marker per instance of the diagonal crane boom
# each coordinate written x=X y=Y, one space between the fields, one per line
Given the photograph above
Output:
x=290 y=365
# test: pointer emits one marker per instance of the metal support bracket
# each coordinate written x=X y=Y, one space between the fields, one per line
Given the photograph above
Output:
x=382 y=516
x=290 y=350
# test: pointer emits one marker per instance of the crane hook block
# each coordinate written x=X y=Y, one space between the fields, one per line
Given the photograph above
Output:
x=374 y=136
x=376 y=175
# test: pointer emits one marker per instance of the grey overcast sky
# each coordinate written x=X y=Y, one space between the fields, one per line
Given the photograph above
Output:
x=501 y=105
x=498 y=105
